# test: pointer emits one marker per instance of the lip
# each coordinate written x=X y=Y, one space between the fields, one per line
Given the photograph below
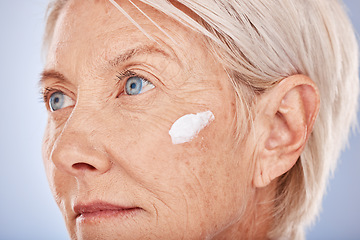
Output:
x=95 y=211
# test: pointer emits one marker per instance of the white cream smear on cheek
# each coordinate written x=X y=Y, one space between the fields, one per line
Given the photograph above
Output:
x=187 y=127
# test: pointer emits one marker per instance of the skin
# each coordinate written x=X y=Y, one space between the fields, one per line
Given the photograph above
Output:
x=112 y=147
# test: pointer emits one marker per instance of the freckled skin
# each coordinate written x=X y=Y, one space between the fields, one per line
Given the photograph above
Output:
x=117 y=148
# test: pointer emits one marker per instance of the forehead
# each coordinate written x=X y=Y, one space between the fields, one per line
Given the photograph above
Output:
x=97 y=25
x=99 y=17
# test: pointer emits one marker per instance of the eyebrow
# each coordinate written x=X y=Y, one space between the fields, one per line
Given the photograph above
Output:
x=127 y=55
x=142 y=50
x=46 y=74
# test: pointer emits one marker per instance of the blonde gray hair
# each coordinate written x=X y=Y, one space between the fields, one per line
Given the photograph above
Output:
x=261 y=42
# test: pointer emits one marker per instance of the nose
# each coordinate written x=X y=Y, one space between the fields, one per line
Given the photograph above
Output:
x=79 y=149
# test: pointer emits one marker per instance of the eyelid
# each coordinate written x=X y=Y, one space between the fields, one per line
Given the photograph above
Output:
x=125 y=75
x=143 y=70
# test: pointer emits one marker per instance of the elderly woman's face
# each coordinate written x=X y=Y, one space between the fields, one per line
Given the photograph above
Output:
x=113 y=94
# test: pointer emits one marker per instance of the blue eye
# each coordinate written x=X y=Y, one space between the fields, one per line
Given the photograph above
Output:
x=136 y=85
x=59 y=100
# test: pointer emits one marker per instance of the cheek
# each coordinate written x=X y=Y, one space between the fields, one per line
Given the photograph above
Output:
x=47 y=146
x=59 y=182
x=201 y=174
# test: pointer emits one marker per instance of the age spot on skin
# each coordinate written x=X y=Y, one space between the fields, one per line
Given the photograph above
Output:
x=187 y=127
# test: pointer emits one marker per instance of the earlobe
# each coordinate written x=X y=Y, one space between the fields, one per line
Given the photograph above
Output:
x=287 y=116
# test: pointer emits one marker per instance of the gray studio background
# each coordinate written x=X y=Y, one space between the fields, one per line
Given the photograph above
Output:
x=27 y=209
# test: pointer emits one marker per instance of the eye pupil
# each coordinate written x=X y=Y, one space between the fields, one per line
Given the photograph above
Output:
x=133 y=85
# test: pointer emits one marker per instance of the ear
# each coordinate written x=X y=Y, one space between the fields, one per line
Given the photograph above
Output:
x=285 y=118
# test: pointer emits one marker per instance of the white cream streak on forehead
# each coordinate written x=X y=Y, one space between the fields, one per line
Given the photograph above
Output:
x=187 y=127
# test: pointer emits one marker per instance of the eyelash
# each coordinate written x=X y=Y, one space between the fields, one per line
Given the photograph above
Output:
x=46 y=92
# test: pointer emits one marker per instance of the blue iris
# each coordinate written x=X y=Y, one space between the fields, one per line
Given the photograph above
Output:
x=134 y=85
x=56 y=101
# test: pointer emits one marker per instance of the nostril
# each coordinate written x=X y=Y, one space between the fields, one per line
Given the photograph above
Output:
x=83 y=166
